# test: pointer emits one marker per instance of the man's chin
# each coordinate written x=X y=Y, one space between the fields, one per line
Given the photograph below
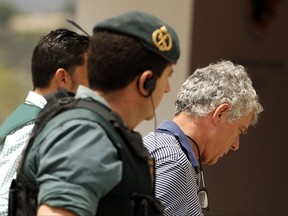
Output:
x=150 y=117
x=212 y=162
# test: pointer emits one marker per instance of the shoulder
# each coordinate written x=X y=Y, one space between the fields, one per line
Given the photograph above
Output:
x=24 y=115
x=70 y=118
x=14 y=143
x=71 y=124
x=70 y=130
x=155 y=140
x=163 y=146
x=20 y=135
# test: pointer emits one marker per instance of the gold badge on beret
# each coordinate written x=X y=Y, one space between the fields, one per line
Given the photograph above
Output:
x=162 y=39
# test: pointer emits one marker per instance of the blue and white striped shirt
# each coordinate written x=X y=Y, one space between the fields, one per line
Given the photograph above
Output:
x=176 y=179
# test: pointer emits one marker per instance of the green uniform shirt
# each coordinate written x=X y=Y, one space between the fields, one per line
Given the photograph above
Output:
x=74 y=162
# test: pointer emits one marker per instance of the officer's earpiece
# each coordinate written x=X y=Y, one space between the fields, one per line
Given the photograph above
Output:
x=149 y=85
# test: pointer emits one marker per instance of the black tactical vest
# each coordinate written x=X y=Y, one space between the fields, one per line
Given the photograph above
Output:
x=133 y=196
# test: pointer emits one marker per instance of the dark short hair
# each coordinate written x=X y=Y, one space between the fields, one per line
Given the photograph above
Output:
x=115 y=60
x=61 y=48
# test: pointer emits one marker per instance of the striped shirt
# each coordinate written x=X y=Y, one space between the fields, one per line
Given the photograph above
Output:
x=176 y=179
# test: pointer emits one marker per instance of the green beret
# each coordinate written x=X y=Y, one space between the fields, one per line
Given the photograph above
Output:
x=154 y=34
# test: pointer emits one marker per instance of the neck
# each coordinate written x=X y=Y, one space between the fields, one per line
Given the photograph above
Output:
x=44 y=91
x=124 y=105
x=195 y=143
x=198 y=151
x=190 y=128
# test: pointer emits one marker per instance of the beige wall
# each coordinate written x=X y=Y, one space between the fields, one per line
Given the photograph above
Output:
x=176 y=13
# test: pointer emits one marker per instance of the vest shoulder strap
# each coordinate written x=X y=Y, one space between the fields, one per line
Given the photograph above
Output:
x=22 y=116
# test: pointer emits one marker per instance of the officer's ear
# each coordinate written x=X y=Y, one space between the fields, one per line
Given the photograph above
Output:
x=146 y=83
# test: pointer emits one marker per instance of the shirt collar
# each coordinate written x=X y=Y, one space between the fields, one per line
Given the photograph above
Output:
x=172 y=128
x=35 y=99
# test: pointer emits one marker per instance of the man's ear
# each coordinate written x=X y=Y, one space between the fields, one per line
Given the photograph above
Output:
x=220 y=111
x=146 y=83
x=62 y=77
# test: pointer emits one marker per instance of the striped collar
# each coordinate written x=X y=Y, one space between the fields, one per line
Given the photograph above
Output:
x=173 y=129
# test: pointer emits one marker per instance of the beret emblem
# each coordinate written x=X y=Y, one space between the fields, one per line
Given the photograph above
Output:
x=162 y=39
